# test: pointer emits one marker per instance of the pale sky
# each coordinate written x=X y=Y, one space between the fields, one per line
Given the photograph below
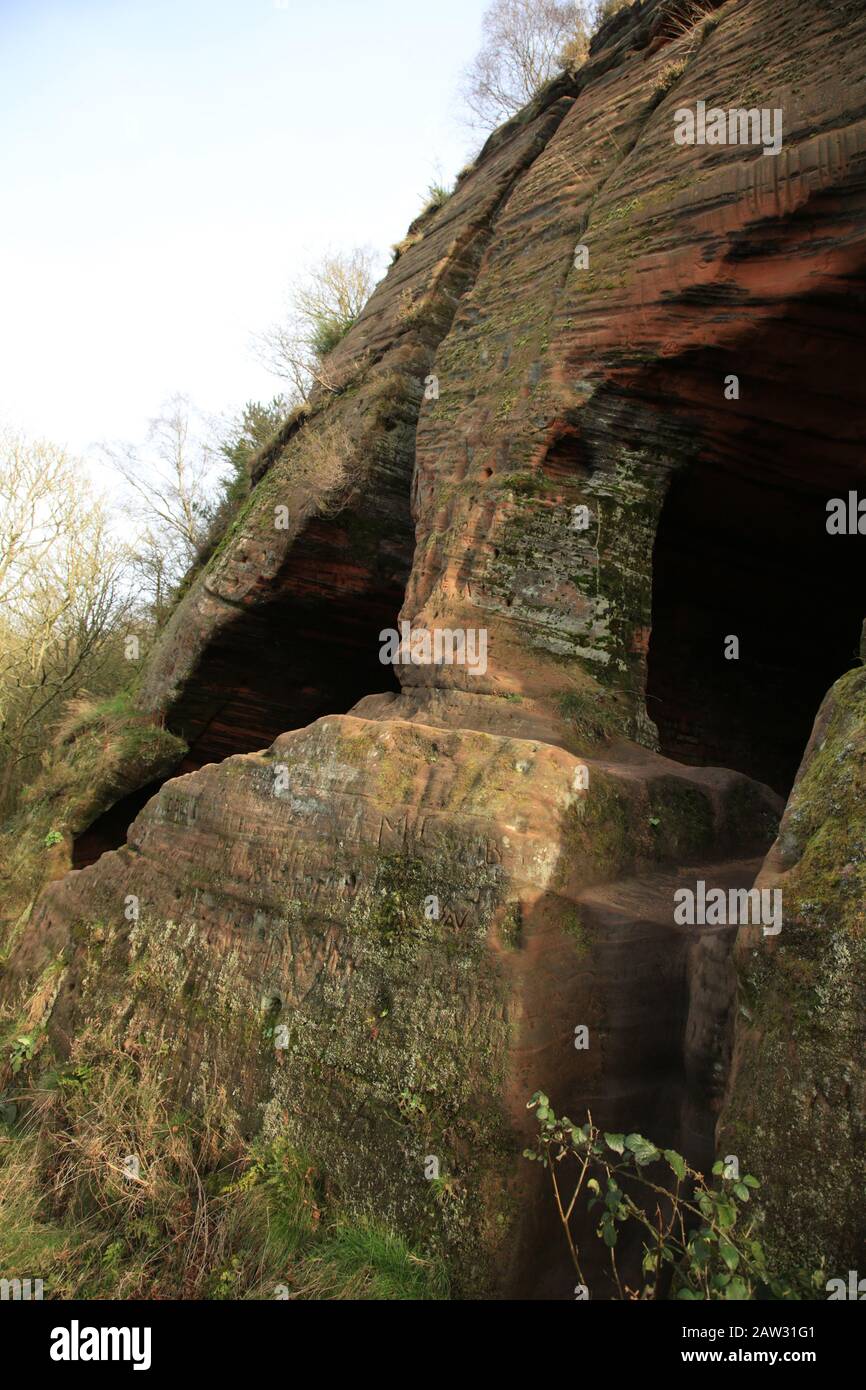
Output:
x=168 y=166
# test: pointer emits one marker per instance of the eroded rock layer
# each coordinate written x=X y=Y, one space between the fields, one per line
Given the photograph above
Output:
x=429 y=889
x=412 y=905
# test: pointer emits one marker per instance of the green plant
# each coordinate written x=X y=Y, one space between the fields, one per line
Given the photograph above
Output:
x=410 y=1105
x=206 y=1214
x=327 y=332
x=53 y=837
x=700 y=1241
x=592 y=713
x=445 y=1188
x=21 y=1052
x=437 y=197
x=243 y=439
x=360 y=1260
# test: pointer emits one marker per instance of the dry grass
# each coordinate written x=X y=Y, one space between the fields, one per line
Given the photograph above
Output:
x=198 y=1214
x=321 y=468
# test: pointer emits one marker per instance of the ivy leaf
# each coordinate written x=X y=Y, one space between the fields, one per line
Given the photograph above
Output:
x=615 y=1142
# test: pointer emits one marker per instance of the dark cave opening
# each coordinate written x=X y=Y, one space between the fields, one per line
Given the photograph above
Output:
x=307 y=646
x=743 y=550
x=108 y=831
x=734 y=558
x=280 y=666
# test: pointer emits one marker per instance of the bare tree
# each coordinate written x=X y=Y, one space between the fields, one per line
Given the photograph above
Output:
x=33 y=506
x=64 y=602
x=156 y=560
x=322 y=307
x=524 y=43
x=174 y=481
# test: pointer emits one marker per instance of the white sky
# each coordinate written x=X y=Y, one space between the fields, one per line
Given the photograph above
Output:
x=168 y=166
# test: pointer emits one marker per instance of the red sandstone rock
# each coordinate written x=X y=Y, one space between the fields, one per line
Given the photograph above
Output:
x=560 y=388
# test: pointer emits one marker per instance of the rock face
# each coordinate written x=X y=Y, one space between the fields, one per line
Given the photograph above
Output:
x=796 y=1104
x=412 y=904
x=443 y=871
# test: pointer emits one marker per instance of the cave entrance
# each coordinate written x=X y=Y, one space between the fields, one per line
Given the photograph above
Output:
x=307 y=646
x=280 y=666
x=742 y=550
x=108 y=831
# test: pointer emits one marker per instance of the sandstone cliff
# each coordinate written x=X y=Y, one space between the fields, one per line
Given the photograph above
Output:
x=432 y=875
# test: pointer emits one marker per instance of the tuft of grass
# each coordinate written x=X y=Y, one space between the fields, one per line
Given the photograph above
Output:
x=84 y=713
x=669 y=76
x=360 y=1260
x=101 y=749
x=437 y=197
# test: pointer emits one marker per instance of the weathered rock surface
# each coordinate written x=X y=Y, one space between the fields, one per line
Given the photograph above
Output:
x=796 y=1105
x=294 y=887
x=411 y=903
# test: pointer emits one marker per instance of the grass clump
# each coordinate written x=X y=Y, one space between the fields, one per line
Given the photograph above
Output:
x=668 y=77
x=591 y=713
x=100 y=751
x=360 y=1260
x=437 y=197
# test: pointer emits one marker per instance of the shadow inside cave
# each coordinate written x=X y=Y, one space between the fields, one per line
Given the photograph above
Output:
x=742 y=548
x=308 y=647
